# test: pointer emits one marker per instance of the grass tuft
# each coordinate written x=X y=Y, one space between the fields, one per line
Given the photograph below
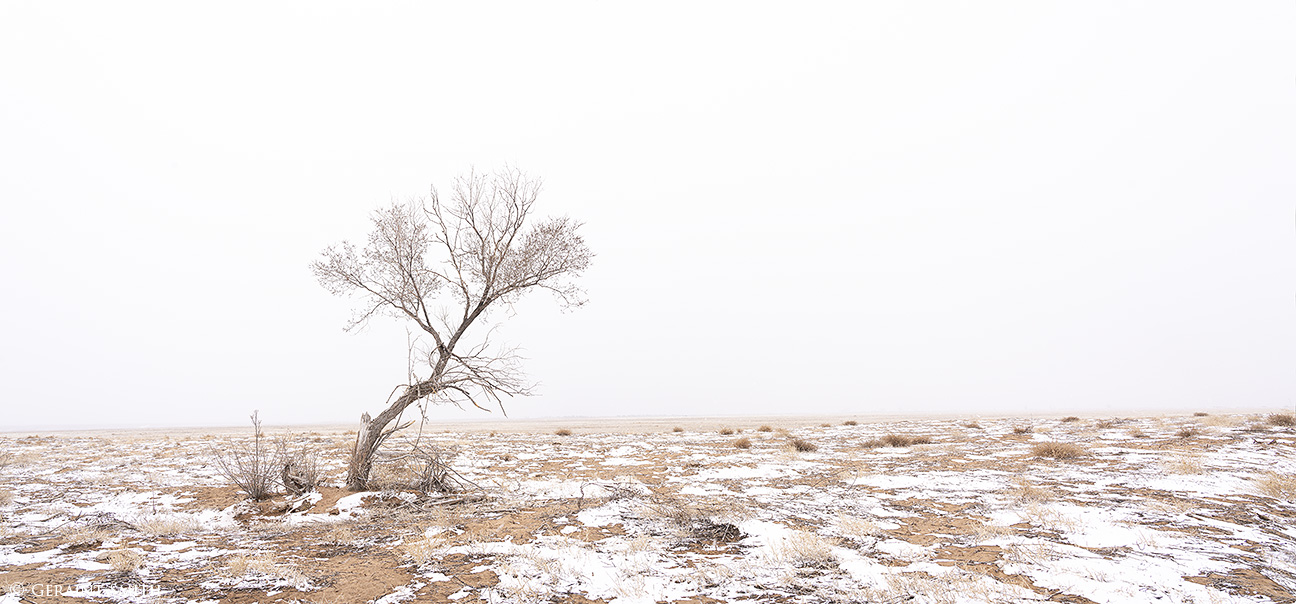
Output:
x=1069 y=419
x=743 y=443
x=1023 y=429
x=124 y=560
x=677 y=429
x=765 y=429
x=1057 y=450
x=1186 y=432
x=726 y=432
x=1285 y=420
x=563 y=432
x=802 y=446
x=850 y=422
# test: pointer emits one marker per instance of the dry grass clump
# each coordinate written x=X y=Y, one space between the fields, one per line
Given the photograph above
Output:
x=1105 y=424
x=123 y=560
x=85 y=537
x=896 y=440
x=1278 y=486
x=972 y=426
x=802 y=548
x=1200 y=414
x=563 y=432
x=1069 y=419
x=1189 y=463
x=850 y=422
x=677 y=429
x=765 y=429
x=166 y=525
x=802 y=446
x=1187 y=432
x=262 y=564
x=423 y=549
x=743 y=443
x=1137 y=433
x=1026 y=492
x=1058 y=450
x=856 y=528
x=1023 y=429
x=1285 y=420
x=726 y=432
x=825 y=425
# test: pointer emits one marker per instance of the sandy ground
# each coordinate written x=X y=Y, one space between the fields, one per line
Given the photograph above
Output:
x=1175 y=508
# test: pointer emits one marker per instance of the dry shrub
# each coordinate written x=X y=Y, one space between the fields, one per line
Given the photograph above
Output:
x=1069 y=419
x=563 y=432
x=743 y=443
x=1278 y=486
x=802 y=446
x=850 y=422
x=1285 y=420
x=1189 y=463
x=166 y=525
x=726 y=431
x=301 y=471
x=124 y=560
x=252 y=468
x=677 y=429
x=1105 y=424
x=765 y=429
x=1200 y=414
x=801 y=548
x=1023 y=429
x=694 y=521
x=1058 y=450
x=1186 y=432
x=1026 y=492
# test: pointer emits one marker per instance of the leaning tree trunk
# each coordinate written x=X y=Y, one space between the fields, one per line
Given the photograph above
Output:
x=373 y=432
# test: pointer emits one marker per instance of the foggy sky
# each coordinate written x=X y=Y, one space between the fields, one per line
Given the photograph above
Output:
x=886 y=207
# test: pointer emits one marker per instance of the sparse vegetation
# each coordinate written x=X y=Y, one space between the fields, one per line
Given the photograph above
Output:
x=1278 y=486
x=252 y=468
x=1058 y=450
x=167 y=525
x=896 y=440
x=124 y=560
x=743 y=443
x=1285 y=420
x=802 y=446
x=563 y=432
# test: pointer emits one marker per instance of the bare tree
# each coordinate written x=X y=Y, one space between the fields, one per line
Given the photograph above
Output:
x=445 y=267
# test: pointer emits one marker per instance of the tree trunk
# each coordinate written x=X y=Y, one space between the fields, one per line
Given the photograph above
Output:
x=370 y=435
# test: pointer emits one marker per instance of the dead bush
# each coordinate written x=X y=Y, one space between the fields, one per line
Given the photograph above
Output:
x=300 y=472
x=251 y=467
x=743 y=443
x=1278 y=486
x=563 y=432
x=726 y=431
x=1285 y=420
x=802 y=446
x=1058 y=450
x=124 y=560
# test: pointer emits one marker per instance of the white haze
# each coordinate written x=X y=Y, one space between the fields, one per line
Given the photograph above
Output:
x=887 y=207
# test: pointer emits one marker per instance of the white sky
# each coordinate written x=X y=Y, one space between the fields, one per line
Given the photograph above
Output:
x=833 y=208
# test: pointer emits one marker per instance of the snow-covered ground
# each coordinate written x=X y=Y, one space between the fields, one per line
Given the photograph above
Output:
x=1170 y=509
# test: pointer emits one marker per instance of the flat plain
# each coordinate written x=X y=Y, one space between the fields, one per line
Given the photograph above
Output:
x=1189 y=508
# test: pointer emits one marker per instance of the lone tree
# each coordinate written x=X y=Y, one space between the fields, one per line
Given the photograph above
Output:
x=445 y=266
